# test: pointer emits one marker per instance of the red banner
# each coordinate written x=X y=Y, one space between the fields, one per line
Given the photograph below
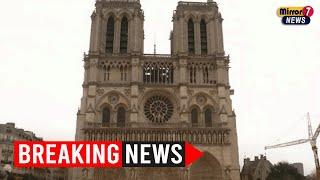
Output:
x=103 y=154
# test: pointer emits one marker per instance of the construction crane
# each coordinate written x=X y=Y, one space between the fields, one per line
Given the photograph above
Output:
x=312 y=140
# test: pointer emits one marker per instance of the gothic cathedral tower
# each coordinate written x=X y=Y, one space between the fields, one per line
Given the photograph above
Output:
x=183 y=96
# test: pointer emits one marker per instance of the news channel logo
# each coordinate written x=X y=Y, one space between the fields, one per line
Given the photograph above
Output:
x=295 y=15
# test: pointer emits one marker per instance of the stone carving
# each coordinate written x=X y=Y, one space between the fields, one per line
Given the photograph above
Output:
x=213 y=92
x=191 y=92
x=142 y=89
x=134 y=109
x=90 y=109
x=127 y=92
x=100 y=91
x=114 y=99
x=201 y=100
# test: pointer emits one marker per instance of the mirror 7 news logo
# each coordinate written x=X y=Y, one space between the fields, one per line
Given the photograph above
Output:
x=295 y=15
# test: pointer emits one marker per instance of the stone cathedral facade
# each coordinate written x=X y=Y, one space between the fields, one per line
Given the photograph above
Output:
x=182 y=96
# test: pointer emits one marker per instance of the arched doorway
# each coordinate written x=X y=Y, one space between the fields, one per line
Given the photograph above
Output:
x=206 y=168
x=158 y=173
x=109 y=174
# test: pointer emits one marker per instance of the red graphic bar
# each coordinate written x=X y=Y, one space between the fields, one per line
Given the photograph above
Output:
x=68 y=154
x=104 y=154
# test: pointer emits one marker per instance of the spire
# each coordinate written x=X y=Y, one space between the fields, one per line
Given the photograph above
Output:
x=154 y=44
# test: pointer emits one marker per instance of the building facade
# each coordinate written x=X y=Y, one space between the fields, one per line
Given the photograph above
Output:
x=8 y=134
x=182 y=96
x=258 y=169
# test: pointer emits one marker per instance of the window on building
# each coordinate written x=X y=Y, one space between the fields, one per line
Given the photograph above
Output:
x=110 y=35
x=124 y=36
x=106 y=117
x=158 y=73
x=191 y=42
x=121 y=117
x=194 y=117
x=204 y=40
x=208 y=117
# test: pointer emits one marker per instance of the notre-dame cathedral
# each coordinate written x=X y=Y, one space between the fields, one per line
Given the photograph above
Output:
x=182 y=96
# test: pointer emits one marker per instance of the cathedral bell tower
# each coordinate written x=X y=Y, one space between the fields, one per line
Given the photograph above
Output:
x=197 y=29
x=117 y=27
x=182 y=96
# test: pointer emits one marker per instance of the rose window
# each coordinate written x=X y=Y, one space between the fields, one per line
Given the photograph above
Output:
x=158 y=109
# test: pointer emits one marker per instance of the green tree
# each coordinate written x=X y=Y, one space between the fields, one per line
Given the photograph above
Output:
x=284 y=171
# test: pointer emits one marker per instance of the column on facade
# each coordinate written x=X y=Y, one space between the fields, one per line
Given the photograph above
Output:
x=141 y=35
x=197 y=39
x=221 y=71
x=211 y=36
x=174 y=49
x=222 y=88
x=216 y=35
x=221 y=35
x=85 y=89
x=130 y=35
x=95 y=32
x=201 y=120
x=136 y=79
x=92 y=80
x=137 y=32
x=219 y=40
x=117 y=32
x=183 y=36
x=176 y=73
x=94 y=71
x=183 y=90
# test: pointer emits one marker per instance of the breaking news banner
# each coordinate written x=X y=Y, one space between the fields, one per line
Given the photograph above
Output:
x=115 y=154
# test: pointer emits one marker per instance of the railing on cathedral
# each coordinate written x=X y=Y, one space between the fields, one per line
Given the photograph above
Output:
x=158 y=55
x=197 y=136
x=196 y=4
x=158 y=69
x=119 y=0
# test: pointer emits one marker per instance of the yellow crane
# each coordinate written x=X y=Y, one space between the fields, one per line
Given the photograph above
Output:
x=312 y=140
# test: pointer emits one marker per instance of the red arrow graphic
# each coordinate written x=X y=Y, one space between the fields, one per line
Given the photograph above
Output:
x=192 y=154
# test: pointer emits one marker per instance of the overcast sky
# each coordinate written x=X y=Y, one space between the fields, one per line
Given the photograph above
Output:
x=275 y=68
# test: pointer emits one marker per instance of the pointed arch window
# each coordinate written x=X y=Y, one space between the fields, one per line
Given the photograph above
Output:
x=194 y=117
x=191 y=42
x=110 y=35
x=204 y=40
x=208 y=117
x=124 y=36
x=106 y=117
x=121 y=117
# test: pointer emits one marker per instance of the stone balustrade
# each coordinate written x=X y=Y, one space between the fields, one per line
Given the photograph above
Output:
x=199 y=136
